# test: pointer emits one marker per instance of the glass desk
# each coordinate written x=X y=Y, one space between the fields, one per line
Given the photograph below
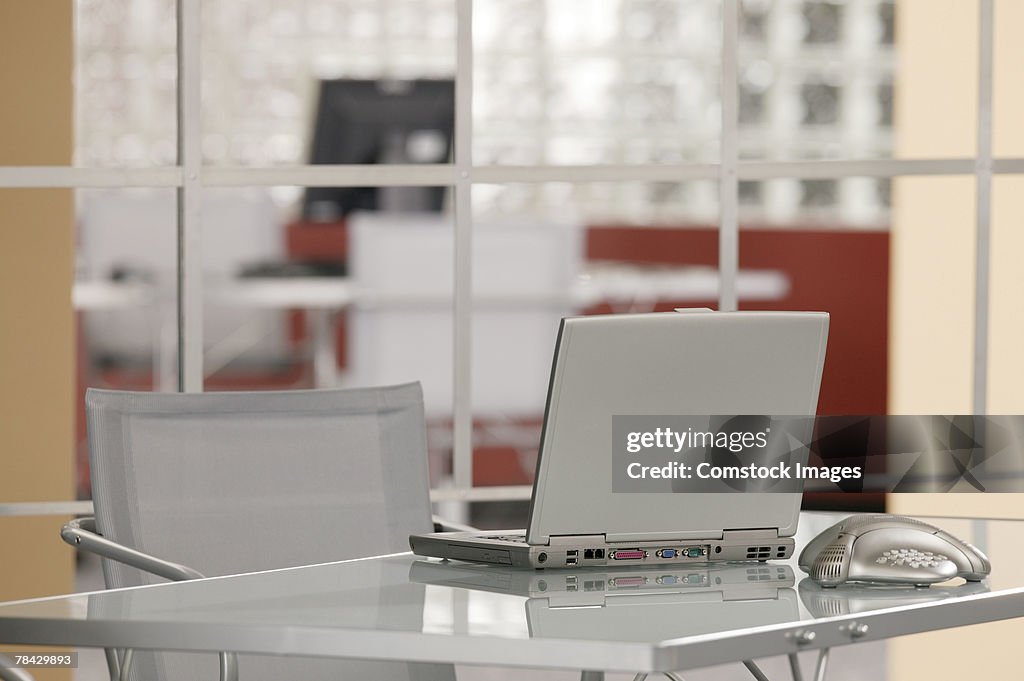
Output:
x=400 y=607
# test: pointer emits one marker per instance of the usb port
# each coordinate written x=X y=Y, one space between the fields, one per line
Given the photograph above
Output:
x=570 y=560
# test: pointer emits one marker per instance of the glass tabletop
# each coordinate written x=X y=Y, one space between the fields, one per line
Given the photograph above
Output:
x=404 y=607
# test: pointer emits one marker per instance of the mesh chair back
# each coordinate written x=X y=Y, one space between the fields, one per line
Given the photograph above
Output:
x=240 y=482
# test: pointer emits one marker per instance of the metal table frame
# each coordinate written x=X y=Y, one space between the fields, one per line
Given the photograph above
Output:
x=49 y=623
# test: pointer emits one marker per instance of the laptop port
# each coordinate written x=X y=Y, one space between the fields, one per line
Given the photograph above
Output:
x=572 y=553
x=667 y=553
x=598 y=553
x=570 y=560
x=628 y=554
x=694 y=552
x=588 y=554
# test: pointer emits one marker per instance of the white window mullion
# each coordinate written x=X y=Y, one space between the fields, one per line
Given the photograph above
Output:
x=983 y=199
x=462 y=416
x=189 y=265
x=728 y=224
x=352 y=175
x=71 y=177
x=438 y=175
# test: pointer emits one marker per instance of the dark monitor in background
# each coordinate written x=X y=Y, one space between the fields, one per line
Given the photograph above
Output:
x=380 y=121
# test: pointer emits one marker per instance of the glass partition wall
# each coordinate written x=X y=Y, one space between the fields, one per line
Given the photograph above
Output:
x=584 y=167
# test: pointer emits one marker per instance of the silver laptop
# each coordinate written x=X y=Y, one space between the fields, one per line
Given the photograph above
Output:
x=687 y=362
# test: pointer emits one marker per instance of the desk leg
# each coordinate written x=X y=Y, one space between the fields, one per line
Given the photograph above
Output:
x=819 y=671
x=755 y=670
x=165 y=350
x=588 y=675
x=325 y=366
x=794 y=667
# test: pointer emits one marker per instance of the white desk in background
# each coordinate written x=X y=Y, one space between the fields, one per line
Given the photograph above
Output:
x=155 y=305
x=319 y=297
x=626 y=288
x=400 y=608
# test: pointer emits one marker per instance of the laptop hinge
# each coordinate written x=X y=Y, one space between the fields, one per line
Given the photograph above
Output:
x=751 y=534
x=660 y=536
x=574 y=539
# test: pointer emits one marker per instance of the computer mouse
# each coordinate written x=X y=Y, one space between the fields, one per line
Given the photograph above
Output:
x=890 y=549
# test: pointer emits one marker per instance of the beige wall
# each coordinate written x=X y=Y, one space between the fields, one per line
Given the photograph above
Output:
x=36 y=333
x=932 y=287
x=932 y=284
x=933 y=238
x=933 y=234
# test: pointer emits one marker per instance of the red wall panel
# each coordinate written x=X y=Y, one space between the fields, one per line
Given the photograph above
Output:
x=844 y=273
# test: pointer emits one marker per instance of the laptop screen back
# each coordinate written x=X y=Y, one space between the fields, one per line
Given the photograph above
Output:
x=673 y=363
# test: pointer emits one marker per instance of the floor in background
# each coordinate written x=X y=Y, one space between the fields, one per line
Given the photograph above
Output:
x=849 y=663
x=863 y=661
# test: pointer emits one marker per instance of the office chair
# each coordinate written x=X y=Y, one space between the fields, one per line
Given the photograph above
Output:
x=225 y=483
x=8 y=672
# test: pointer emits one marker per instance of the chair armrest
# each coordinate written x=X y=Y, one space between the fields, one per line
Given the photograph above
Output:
x=442 y=525
x=81 y=533
x=8 y=672
x=228 y=667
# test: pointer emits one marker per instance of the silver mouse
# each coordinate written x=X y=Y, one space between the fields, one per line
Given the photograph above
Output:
x=890 y=549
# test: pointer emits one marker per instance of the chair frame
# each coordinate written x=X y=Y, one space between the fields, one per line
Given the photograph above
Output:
x=9 y=672
x=81 y=533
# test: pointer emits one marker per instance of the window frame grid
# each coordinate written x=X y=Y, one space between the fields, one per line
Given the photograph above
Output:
x=983 y=205
x=190 y=177
x=190 y=233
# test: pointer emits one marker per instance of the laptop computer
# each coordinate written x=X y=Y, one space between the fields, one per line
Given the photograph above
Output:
x=683 y=362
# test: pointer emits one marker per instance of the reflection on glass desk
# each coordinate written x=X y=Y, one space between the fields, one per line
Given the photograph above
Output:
x=847 y=599
x=640 y=604
x=403 y=608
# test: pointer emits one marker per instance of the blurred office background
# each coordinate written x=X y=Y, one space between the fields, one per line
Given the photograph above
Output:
x=595 y=149
x=635 y=84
